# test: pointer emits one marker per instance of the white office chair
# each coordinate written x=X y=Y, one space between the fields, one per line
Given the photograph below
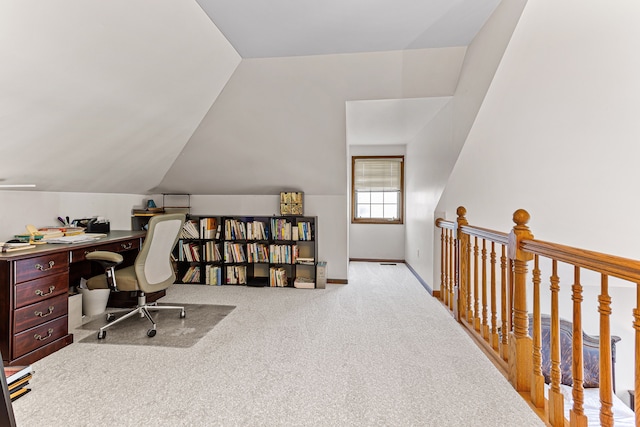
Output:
x=152 y=270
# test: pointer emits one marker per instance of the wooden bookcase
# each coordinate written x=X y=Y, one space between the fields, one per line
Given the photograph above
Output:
x=276 y=251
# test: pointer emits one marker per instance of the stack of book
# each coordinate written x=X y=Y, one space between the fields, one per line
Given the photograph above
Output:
x=14 y=246
x=18 y=378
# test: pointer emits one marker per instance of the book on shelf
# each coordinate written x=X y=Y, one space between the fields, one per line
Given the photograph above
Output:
x=18 y=378
x=236 y=275
x=277 y=277
x=212 y=252
x=14 y=373
x=305 y=261
x=213 y=275
x=234 y=229
x=190 y=230
x=208 y=227
x=304 y=283
x=14 y=395
x=192 y=275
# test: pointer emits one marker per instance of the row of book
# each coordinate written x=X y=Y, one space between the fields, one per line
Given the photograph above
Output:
x=257 y=252
x=212 y=252
x=236 y=253
x=285 y=230
x=188 y=251
x=283 y=254
x=18 y=378
x=213 y=275
x=278 y=277
x=234 y=229
x=192 y=275
x=236 y=275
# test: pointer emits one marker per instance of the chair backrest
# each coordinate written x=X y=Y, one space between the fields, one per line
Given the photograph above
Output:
x=153 y=266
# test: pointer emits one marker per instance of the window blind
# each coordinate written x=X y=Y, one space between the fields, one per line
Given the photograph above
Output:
x=380 y=174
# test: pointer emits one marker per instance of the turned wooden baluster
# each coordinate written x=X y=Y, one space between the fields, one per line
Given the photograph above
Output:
x=505 y=312
x=447 y=258
x=556 y=399
x=452 y=262
x=463 y=265
x=537 y=379
x=636 y=326
x=494 y=302
x=520 y=345
x=476 y=307
x=604 y=308
x=484 y=322
x=469 y=305
x=443 y=261
x=577 y=417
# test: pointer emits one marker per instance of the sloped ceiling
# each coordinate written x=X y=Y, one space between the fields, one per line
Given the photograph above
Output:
x=102 y=96
x=280 y=123
x=110 y=97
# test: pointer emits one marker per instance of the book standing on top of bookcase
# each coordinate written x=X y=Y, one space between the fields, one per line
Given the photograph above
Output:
x=248 y=250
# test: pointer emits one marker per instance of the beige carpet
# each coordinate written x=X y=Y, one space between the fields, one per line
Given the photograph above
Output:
x=172 y=331
x=379 y=351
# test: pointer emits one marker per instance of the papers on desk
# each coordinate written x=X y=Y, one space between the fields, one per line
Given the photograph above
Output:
x=10 y=247
x=78 y=238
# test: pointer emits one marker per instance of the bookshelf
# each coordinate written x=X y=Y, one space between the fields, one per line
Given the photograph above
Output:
x=171 y=203
x=274 y=251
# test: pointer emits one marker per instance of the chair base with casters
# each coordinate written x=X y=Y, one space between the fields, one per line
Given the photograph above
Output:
x=151 y=272
x=143 y=310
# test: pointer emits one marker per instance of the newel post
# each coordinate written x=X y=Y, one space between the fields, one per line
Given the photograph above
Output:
x=520 y=343
x=462 y=266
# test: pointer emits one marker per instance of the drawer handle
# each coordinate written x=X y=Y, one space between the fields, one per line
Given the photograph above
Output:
x=43 y=268
x=41 y=338
x=126 y=246
x=42 y=294
x=41 y=314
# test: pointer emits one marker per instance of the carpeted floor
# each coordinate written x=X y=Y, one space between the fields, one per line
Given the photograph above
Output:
x=379 y=351
x=172 y=331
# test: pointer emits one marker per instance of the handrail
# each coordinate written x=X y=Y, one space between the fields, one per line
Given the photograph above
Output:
x=622 y=268
x=485 y=233
x=475 y=270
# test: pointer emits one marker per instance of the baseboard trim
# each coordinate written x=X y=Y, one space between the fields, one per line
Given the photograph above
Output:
x=422 y=282
x=338 y=281
x=399 y=261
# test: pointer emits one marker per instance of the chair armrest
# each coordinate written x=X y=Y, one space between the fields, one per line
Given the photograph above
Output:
x=110 y=257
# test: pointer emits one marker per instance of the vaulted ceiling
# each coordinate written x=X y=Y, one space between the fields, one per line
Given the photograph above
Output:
x=139 y=96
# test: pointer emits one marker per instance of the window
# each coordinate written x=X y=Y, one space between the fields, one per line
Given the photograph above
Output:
x=377 y=189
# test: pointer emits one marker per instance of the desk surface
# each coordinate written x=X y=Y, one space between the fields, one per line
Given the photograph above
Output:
x=112 y=236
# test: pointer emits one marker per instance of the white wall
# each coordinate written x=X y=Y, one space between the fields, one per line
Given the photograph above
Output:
x=432 y=154
x=42 y=209
x=430 y=157
x=558 y=135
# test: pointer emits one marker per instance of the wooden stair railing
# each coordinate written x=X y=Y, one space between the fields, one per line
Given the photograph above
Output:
x=494 y=309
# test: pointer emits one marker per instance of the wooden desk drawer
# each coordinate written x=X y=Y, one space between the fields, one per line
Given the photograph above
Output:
x=35 y=314
x=33 y=268
x=80 y=254
x=31 y=339
x=41 y=289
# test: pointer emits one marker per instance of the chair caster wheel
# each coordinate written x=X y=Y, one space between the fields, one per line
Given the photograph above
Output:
x=111 y=317
x=151 y=333
x=183 y=314
x=102 y=334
